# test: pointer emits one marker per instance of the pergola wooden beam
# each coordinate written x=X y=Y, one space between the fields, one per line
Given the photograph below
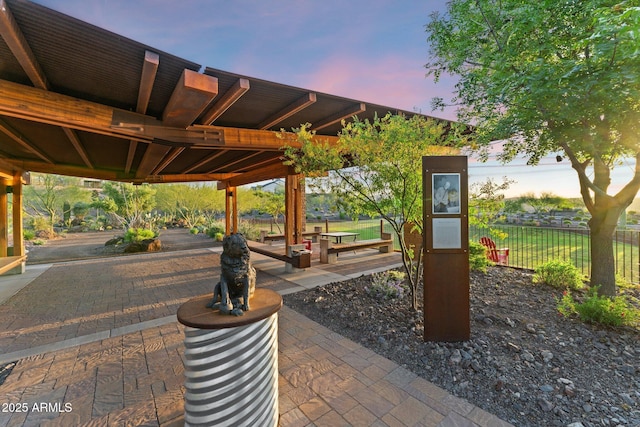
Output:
x=14 y=38
x=342 y=115
x=147 y=79
x=37 y=105
x=234 y=93
x=298 y=105
x=192 y=94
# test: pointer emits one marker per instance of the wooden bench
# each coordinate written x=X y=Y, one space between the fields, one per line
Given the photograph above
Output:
x=10 y=262
x=329 y=250
x=265 y=236
x=300 y=258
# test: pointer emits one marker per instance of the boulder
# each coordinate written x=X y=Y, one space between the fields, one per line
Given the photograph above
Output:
x=147 y=245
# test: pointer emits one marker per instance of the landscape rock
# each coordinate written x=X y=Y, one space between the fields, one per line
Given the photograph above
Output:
x=147 y=245
x=524 y=362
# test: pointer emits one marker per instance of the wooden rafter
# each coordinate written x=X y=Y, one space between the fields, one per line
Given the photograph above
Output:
x=170 y=157
x=344 y=114
x=22 y=141
x=204 y=161
x=234 y=93
x=235 y=162
x=192 y=94
x=14 y=38
x=298 y=105
x=259 y=174
x=73 y=137
x=147 y=79
x=151 y=159
x=133 y=145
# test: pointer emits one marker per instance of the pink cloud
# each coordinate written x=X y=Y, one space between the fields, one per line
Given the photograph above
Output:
x=391 y=80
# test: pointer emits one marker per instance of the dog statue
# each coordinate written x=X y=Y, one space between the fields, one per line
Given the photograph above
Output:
x=237 y=283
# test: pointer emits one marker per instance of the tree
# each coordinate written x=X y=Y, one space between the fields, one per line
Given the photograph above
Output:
x=189 y=202
x=129 y=203
x=48 y=193
x=384 y=173
x=486 y=202
x=551 y=77
x=273 y=204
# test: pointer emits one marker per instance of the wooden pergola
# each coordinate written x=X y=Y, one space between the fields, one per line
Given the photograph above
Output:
x=78 y=100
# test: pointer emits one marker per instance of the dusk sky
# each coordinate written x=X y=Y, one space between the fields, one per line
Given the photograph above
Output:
x=368 y=50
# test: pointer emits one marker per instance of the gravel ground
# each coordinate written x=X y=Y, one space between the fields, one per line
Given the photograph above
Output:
x=524 y=362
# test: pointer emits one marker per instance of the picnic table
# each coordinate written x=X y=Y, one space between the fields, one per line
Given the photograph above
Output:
x=338 y=235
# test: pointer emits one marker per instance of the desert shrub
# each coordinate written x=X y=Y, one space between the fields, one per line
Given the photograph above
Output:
x=29 y=234
x=616 y=311
x=138 y=234
x=249 y=230
x=559 y=274
x=194 y=230
x=39 y=223
x=214 y=229
x=478 y=257
x=387 y=285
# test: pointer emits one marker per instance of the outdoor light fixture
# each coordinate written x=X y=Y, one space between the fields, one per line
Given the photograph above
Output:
x=558 y=158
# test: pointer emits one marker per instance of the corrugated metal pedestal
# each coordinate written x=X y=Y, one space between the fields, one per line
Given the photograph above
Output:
x=231 y=363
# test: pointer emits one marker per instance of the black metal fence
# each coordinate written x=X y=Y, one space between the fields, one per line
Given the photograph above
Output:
x=531 y=246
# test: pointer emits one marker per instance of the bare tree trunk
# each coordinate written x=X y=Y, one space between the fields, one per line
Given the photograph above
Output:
x=602 y=226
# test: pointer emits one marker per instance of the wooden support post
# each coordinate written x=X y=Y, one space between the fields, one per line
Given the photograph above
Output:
x=231 y=211
x=4 y=223
x=18 y=230
x=292 y=210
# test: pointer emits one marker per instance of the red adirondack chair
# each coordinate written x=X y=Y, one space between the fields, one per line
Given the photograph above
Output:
x=497 y=255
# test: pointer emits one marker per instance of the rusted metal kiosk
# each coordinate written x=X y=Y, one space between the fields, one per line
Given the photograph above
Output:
x=446 y=248
x=231 y=363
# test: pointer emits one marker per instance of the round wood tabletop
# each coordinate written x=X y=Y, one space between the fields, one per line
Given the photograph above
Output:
x=196 y=314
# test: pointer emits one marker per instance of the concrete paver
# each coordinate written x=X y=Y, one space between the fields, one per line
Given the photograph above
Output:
x=96 y=343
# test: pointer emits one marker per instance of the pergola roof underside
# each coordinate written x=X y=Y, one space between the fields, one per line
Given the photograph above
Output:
x=92 y=65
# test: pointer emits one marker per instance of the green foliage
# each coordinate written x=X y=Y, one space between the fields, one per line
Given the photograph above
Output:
x=616 y=311
x=375 y=168
x=486 y=202
x=387 y=285
x=249 y=230
x=131 y=204
x=272 y=204
x=214 y=229
x=80 y=209
x=559 y=274
x=29 y=234
x=138 y=234
x=40 y=223
x=194 y=230
x=478 y=257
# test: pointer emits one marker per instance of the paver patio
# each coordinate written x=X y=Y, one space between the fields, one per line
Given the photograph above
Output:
x=96 y=342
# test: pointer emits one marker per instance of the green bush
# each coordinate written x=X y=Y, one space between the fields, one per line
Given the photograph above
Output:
x=139 y=234
x=559 y=274
x=29 y=234
x=194 y=230
x=214 y=230
x=599 y=309
x=478 y=257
